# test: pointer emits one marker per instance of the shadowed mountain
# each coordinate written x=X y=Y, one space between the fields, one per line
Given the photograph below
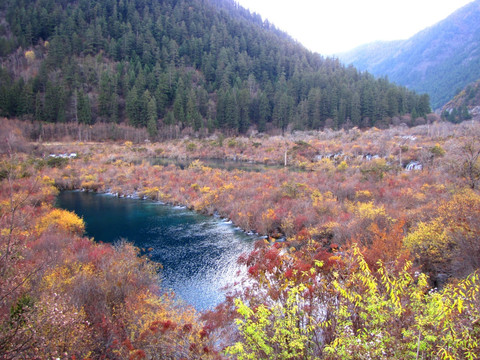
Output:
x=440 y=60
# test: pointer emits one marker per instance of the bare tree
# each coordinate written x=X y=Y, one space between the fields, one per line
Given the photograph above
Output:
x=464 y=155
x=471 y=162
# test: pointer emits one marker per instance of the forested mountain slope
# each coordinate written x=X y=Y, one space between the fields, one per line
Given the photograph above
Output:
x=439 y=60
x=179 y=66
x=465 y=105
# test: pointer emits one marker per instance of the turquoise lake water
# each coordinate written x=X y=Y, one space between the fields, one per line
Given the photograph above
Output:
x=198 y=253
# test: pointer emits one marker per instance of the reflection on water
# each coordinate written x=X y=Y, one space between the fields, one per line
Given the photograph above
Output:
x=216 y=164
x=198 y=253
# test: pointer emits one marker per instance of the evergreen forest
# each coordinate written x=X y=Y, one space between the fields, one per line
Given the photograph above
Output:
x=178 y=67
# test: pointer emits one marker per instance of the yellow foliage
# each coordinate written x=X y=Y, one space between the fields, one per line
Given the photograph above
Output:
x=119 y=163
x=435 y=187
x=440 y=240
x=65 y=275
x=90 y=177
x=322 y=202
x=363 y=194
x=89 y=185
x=48 y=191
x=61 y=328
x=325 y=230
x=30 y=56
x=16 y=200
x=414 y=195
x=366 y=210
x=61 y=219
x=151 y=193
x=196 y=165
x=228 y=186
x=48 y=180
x=269 y=214
x=342 y=166
x=287 y=225
x=429 y=240
x=306 y=165
x=326 y=165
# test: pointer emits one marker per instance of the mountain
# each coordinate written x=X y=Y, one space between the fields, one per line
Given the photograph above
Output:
x=178 y=66
x=439 y=60
x=465 y=105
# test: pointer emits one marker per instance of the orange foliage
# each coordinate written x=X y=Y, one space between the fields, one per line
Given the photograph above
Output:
x=387 y=244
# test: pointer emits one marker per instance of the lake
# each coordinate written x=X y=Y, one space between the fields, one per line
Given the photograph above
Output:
x=198 y=253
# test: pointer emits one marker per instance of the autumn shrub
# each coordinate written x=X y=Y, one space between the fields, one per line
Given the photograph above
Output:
x=375 y=169
x=386 y=315
x=191 y=146
x=448 y=243
x=64 y=296
x=57 y=162
x=314 y=279
x=12 y=138
x=64 y=220
x=437 y=150
x=358 y=312
x=232 y=143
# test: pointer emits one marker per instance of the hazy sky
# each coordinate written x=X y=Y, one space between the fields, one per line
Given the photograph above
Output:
x=333 y=26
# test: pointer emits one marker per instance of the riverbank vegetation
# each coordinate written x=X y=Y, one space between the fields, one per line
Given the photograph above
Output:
x=363 y=258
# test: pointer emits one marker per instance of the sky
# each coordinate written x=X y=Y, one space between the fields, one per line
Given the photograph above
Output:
x=334 y=26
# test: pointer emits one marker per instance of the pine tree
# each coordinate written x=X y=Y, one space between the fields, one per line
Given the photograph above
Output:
x=264 y=112
x=132 y=107
x=105 y=96
x=39 y=114
x=152 y=118
x=231 y=112
x=27 y=102
x=84 y=109
x=180 y=102
x=423 y=106
x=243 y=107
x=53 y=104
x=192 y=117
x=162 y=95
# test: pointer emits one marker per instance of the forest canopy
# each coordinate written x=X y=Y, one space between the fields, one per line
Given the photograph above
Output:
x=178 y=66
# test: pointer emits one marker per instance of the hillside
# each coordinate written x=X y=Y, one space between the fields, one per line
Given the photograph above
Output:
x=178 y=67
x=465 y=105
x=439 y=60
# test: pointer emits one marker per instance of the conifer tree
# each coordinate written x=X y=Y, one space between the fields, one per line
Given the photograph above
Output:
x=152 y=118
x=83 y=108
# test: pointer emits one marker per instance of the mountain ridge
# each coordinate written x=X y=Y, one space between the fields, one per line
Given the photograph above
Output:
x=438 y=60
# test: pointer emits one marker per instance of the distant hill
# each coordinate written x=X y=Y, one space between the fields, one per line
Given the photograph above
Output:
x=178 y=67
x=440 y=60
